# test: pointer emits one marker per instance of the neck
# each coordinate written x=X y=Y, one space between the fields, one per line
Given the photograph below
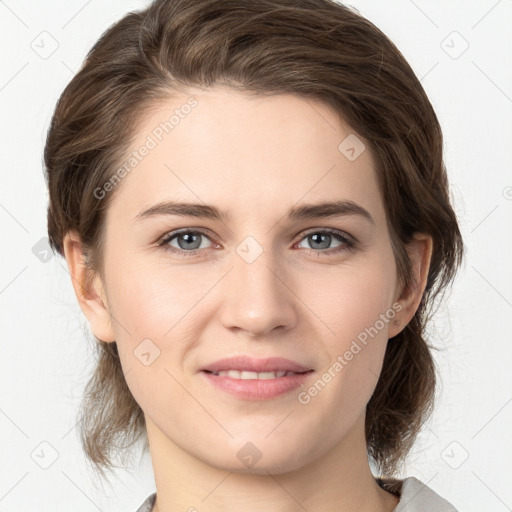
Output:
x=340 y=480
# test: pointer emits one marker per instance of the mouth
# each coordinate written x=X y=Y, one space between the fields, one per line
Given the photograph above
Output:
x=248 y=367
x=249 y=375
x=248 y=378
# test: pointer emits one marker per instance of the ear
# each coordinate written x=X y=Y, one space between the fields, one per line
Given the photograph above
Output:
x=419 y=250
x=88 y=289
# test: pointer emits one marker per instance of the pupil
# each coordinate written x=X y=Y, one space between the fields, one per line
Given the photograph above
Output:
x=189 y=238
x=325 y=244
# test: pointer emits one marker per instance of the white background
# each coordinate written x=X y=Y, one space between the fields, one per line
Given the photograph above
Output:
x=463 y=452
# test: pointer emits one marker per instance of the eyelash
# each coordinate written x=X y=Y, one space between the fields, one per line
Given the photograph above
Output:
x=348 y=242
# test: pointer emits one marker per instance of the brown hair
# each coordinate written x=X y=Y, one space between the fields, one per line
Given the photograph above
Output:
x=317 y=49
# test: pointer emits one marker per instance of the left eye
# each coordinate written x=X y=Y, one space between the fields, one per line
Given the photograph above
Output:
x=325 y=238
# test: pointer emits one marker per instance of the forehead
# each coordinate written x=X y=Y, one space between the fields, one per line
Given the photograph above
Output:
x=246 y=154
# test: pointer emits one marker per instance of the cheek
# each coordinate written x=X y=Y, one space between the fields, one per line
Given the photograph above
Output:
x=352 y=301
x=152 y=307
x=357 y=308
x=155 y=300
x=159 y=313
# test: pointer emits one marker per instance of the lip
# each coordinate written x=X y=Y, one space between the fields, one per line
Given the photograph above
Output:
x=252 y=364
x=256 y=389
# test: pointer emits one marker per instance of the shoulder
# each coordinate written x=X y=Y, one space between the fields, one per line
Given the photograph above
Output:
x=147 y=506
x=415 y=496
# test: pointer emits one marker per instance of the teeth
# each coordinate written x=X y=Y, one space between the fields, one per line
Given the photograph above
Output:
x=244 y=375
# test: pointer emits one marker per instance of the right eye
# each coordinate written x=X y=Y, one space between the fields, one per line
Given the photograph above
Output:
x=189 y=242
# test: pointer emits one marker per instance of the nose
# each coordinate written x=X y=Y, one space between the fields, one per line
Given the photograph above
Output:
x=257 y=298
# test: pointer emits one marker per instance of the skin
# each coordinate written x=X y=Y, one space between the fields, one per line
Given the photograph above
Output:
x=255 y=157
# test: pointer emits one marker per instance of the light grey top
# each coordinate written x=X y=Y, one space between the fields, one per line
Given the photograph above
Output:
x=414 y=495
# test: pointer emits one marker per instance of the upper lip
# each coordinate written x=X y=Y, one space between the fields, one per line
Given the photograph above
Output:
x=252 y=364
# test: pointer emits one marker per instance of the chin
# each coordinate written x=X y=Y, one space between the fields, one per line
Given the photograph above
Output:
x=260 y=458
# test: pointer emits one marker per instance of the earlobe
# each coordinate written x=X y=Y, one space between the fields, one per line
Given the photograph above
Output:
x=420 y=253
x=88 y=289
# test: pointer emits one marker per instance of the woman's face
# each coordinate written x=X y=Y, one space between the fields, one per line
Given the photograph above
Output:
x=257 y=269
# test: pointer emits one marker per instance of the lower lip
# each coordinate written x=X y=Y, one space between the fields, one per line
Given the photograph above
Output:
x=257 y=389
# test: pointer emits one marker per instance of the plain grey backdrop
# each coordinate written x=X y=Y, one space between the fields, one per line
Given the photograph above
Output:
x=462 y=52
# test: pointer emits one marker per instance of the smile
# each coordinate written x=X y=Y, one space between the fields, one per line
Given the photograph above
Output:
x=248 y=385
x=247 y=375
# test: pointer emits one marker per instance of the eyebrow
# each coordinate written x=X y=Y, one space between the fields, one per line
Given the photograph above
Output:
x=340 y=208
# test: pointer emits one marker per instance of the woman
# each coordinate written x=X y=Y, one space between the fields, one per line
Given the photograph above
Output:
x=253 y=205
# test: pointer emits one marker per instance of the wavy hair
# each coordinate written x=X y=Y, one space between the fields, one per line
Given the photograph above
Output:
x=316 y=49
